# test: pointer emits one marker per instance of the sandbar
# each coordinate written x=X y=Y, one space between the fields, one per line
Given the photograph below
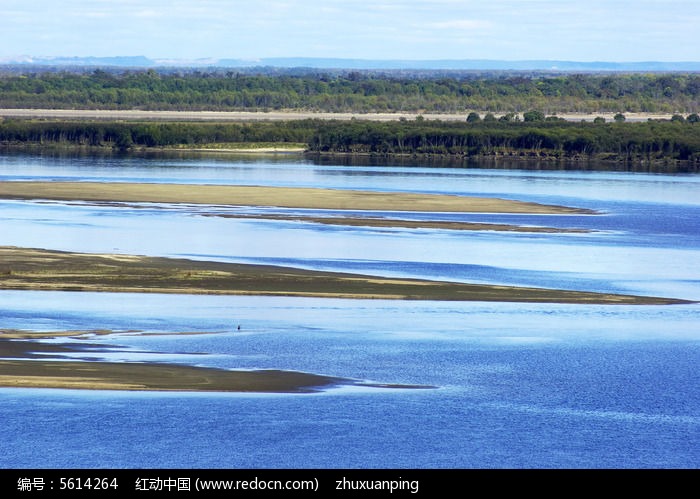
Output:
x=40 y=269
x=283 y=197
x=392 y=223
x=154 y=377
x=26 y=363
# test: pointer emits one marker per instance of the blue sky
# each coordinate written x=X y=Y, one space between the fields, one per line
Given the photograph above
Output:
x=590 y=30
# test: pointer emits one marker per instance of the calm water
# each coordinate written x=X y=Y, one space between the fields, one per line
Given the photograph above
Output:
x=517 y=385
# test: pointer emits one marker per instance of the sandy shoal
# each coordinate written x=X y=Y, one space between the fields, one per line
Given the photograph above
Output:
x=26 y=363
x=394 y=223
x=283 y=197
x=39 y=269
x=153 y=377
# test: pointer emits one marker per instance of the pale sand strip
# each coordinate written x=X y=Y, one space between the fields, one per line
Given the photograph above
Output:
x=247 y=116
x=283 y=197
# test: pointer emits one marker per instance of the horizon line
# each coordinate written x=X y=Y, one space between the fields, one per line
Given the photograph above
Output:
x=351 y=63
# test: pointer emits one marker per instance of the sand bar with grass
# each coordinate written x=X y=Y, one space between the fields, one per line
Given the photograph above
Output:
x=39 y=269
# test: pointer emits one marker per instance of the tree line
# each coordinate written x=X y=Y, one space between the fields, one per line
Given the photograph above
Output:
x=650 y=141
x=352 y=92
x=122 y=135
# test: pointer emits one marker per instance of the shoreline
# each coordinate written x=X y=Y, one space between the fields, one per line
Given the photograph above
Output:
x=40 y=269
x=523 y=158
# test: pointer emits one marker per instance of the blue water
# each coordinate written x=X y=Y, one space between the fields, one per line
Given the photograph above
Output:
x=515 y=385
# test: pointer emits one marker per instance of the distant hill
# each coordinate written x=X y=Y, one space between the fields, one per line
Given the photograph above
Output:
x=124 y=61
x=358 y=64
x=464 y=64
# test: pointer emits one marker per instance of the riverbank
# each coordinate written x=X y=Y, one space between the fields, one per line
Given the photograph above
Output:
x=663 y=142
x=39 y=269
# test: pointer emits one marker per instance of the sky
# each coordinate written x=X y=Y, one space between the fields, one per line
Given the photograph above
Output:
x=573 y=30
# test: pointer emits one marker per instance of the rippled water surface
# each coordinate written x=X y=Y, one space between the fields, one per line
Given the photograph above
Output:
x=515 y=385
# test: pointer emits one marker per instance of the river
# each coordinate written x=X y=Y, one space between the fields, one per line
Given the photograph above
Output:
x=514 y=385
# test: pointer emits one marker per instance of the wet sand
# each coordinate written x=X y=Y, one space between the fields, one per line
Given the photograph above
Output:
x=39 y=269
x=154 y=377
x=282 y=197
x=390 y=223
x=26 y=363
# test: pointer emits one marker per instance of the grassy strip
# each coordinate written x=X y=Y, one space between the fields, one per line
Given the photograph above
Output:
x=36 y=269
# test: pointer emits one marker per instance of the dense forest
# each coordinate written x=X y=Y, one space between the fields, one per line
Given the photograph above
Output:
x=353 y=92
x=646 y=142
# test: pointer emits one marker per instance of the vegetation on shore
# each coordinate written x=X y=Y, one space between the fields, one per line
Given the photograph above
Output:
x=538 y=138
x=527 y=104
x=534 y=136
x=353 y=91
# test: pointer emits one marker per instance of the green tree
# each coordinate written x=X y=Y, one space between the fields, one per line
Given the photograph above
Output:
x=619 y=118
x=531 y=116
x=509 y=117
x=473 y=118
x=123 y=139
